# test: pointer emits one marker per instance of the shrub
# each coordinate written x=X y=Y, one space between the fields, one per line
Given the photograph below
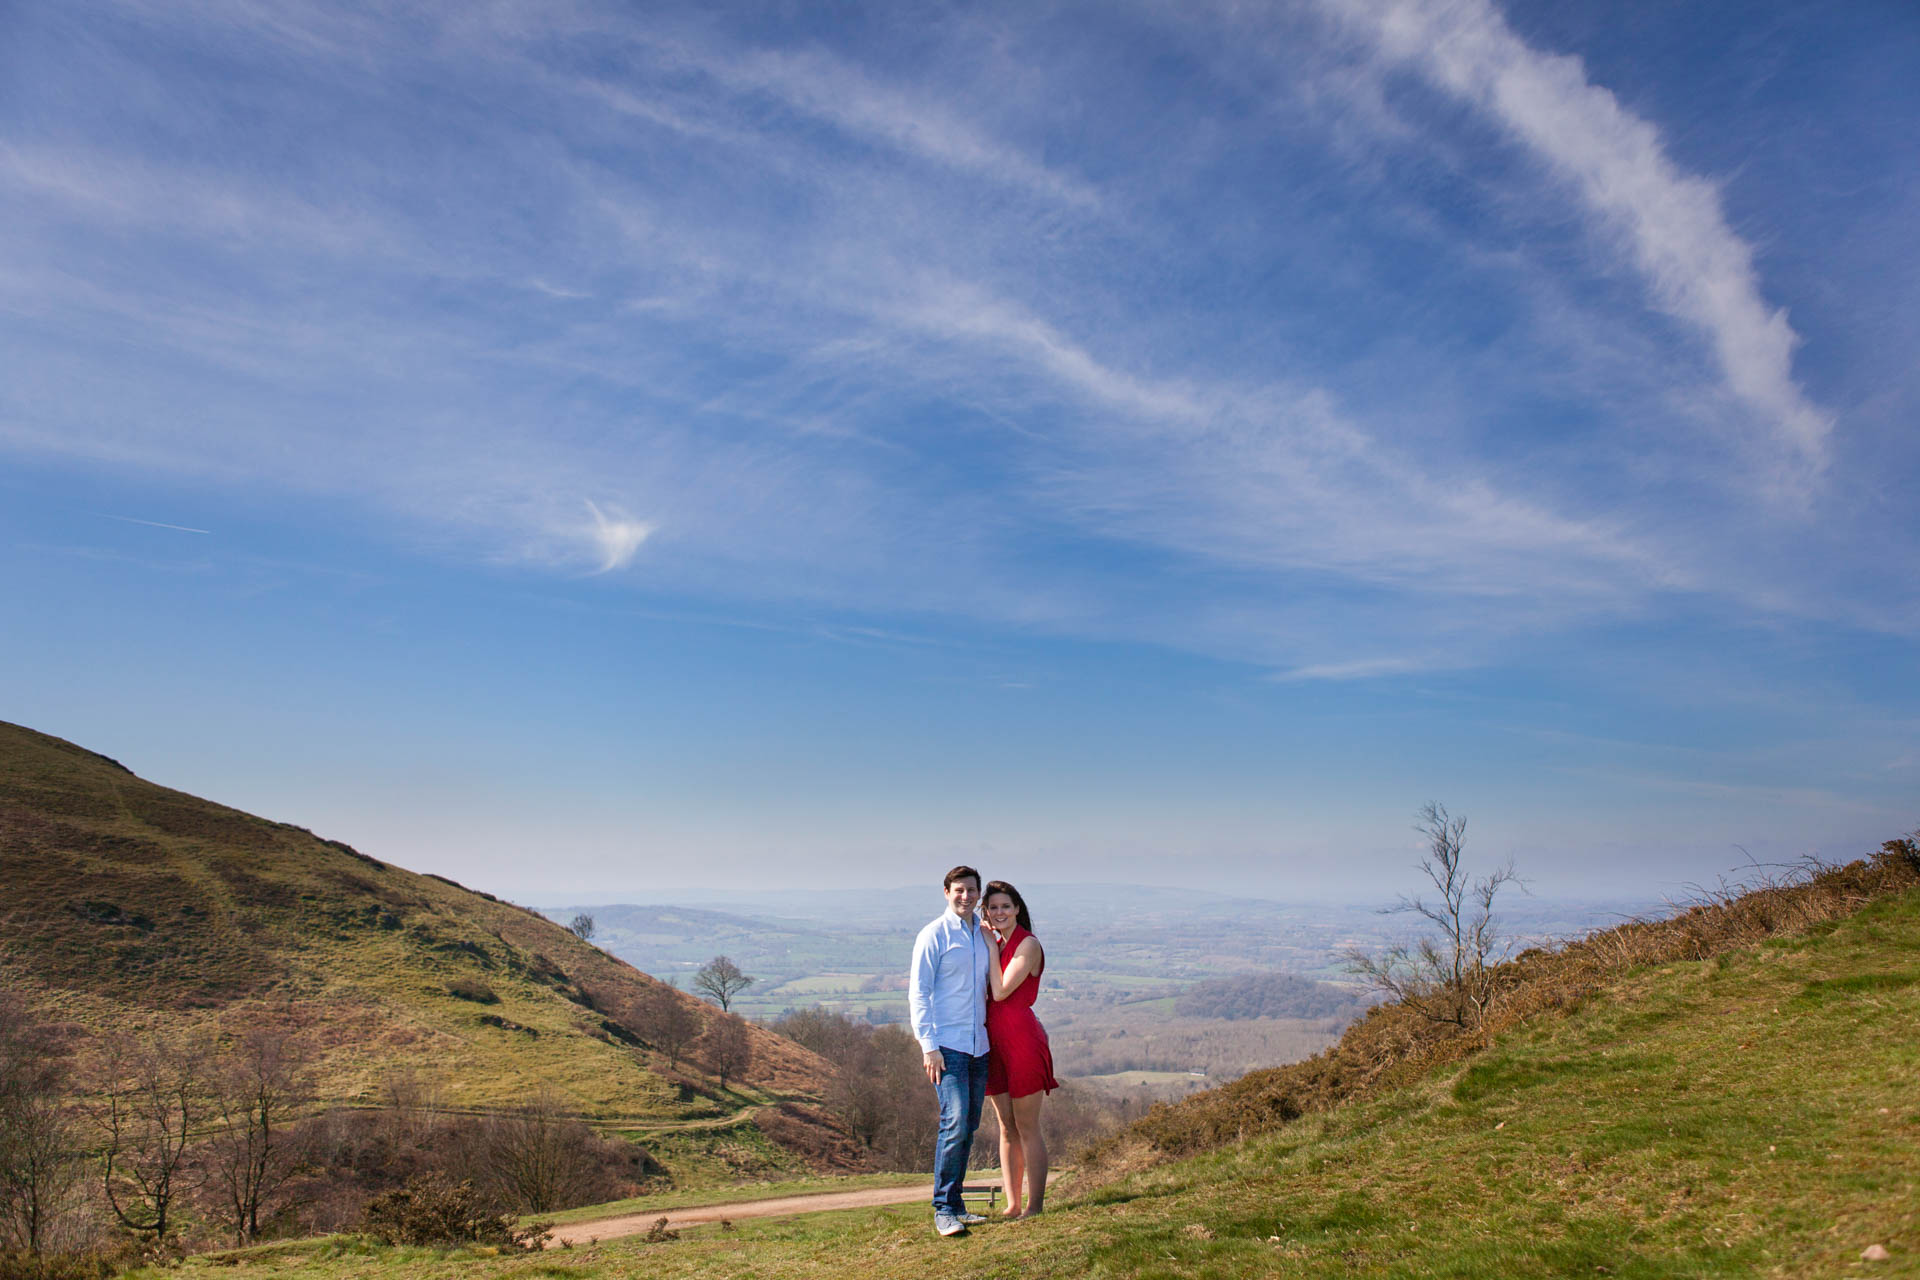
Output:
x=432 y=1211
x=506 y=1024
x=20 y=1265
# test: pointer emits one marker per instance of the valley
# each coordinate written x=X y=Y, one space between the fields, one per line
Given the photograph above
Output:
x=1119 y=960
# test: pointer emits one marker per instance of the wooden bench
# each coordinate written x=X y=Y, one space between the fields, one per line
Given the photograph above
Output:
x=970 y=1191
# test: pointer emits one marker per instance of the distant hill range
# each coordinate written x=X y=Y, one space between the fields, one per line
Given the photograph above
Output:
x=672 y=942
x=131 y=907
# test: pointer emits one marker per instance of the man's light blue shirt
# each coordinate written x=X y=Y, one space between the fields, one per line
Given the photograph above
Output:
x=947 y=986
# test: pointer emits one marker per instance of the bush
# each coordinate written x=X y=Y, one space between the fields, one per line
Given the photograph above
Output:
x=19 y=1265
x=432 y=1211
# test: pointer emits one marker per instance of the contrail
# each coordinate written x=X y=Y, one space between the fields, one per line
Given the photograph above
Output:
x=155 y=524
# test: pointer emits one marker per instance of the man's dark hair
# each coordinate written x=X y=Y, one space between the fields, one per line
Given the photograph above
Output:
x=960 y=872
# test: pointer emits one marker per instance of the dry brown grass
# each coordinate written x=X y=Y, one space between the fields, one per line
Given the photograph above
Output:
x=1394 y=1044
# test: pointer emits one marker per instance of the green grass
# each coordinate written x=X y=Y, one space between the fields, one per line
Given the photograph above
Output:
x=1707 y=1119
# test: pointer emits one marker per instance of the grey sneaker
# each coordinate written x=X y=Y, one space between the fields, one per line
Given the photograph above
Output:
x=970 y=1219
x=948 y=1225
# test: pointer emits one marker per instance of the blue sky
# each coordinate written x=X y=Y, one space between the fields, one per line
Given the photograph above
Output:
x=577 y=448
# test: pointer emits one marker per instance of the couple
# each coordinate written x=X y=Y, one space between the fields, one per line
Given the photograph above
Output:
x=971 y=992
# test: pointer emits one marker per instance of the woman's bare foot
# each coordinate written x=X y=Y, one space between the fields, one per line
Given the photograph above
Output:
x=1013 y=1211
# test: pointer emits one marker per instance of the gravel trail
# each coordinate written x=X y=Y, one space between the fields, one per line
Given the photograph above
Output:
x=700 y=1215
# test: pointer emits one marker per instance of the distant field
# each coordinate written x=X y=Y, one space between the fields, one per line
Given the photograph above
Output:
x=1153 y=1086
x=1125 y=1078
x=819 y=984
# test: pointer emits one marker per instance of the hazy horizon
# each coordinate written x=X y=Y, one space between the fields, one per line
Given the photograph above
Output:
x=820 y=903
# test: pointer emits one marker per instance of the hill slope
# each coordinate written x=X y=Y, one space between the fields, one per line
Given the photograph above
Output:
x=130 y=906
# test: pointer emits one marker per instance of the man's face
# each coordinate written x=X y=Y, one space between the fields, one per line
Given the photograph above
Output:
x=962 y=894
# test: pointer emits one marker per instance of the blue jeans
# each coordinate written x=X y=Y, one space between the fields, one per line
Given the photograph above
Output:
x=963 y=1091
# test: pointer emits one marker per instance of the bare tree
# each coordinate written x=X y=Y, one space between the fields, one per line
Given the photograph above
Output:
x=665 y=1020
x=257 y=1093
x=152 y=1098
x=877 y=1087
x=40 y=1167
x=725 y=1047
x=909 y=1126
x=721 y=980
x=412 y=1102
x=541 y=1158
x=858 y=1092
x=1448 y=978
x=582 y=926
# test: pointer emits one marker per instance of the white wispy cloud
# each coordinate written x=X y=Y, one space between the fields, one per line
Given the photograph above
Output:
x=846 y=96
x=1279 y=476
x=834 y=91
x=117 y=187
x=615 y=538
x=815 y=316
x=1671 y=222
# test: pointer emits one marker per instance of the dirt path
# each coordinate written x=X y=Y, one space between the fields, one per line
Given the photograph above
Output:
x=700 y=1215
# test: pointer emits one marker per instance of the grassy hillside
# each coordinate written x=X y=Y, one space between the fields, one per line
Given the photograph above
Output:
x=133 y=907
x=1753 y=1113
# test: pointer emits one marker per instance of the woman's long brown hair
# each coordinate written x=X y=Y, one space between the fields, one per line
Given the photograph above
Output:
x=1021 y=917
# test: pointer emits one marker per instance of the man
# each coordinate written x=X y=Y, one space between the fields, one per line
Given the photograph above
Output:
x=947 y=997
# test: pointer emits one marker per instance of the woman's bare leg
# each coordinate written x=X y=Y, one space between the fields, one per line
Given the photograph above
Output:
x=1012 y=1156
x=1033 y=1148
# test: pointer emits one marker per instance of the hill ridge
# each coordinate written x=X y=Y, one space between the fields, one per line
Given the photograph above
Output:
x=133 y=906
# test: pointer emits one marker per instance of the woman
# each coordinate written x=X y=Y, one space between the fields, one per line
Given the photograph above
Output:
x=1020 y=1063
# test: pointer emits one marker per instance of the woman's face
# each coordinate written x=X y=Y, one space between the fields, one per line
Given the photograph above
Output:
x=1001 y=913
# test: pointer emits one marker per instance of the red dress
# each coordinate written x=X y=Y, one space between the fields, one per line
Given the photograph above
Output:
x=1019 y=1060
